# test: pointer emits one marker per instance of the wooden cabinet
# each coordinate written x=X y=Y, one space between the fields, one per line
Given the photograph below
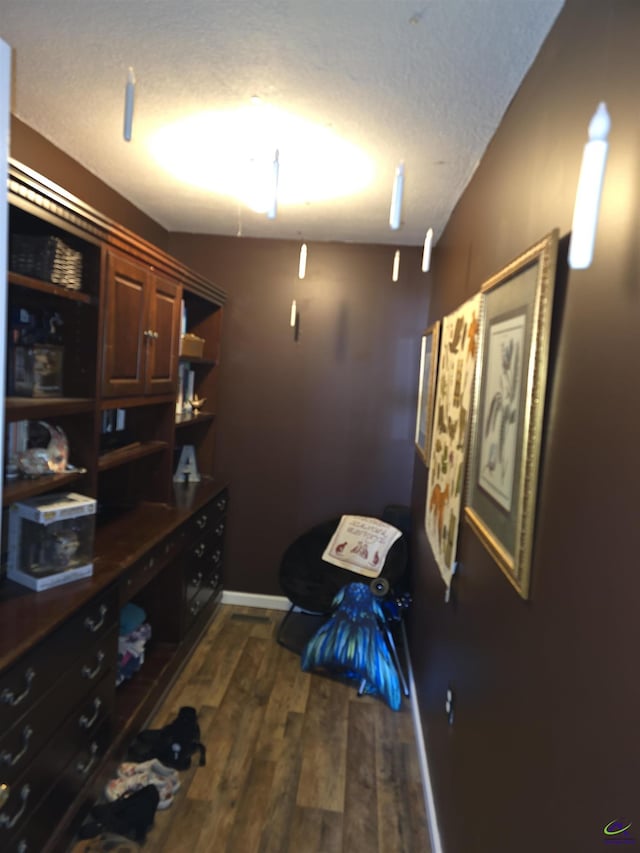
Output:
x=62 y=721
x=141 y=328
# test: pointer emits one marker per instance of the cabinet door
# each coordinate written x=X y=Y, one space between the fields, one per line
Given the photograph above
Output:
x=162 y=343
x=123 y=368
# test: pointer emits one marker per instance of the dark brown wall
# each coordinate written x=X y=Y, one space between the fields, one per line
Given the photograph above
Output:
x=543 y=752
x=35 y=151
x=314 y=427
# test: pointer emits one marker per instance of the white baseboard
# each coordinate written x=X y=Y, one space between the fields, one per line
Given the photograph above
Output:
x=429 y=803
x=251 y=599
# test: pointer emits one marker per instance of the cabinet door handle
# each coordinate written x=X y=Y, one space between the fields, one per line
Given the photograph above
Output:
x=155 y=335
x=220 y=529
x=86 y=722
x=12 y=760
x=93 y=625
x=10 y=698
x=201 y=521
x=197 y=580
x=221 y=504
x=10 y=822
x=147 y=333
x=86 y=672
x=93 y=757
x=199 y=551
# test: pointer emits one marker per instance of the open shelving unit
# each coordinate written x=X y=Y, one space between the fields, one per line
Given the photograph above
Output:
x=119 y=337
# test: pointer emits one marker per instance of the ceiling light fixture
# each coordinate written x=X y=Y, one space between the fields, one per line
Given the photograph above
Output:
x=426 y=251
x=302 y=263
x=230 y=153
x=396 y=266
x=129 y=95
x=395 y=211
x=587 y=204
x=272 y=212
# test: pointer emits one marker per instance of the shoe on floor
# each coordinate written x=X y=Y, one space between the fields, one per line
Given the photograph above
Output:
x=124 y=786
x=130 y=769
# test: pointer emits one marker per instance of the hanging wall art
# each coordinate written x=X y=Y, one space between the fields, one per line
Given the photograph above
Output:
x=459 y=336
x=427 y=389
x=508 y=408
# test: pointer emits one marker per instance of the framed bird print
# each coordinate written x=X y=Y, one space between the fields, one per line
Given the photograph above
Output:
x=508 y=408
x=427 y=390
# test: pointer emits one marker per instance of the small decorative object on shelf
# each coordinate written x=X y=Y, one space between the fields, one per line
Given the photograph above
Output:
x=46 y=258
x=41 y=458
x=197 y=403
x=187 y=470
x=51 y=540
x=36 y=354
x=191 y=346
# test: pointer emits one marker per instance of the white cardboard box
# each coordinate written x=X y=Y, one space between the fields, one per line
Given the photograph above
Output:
x=51 y=540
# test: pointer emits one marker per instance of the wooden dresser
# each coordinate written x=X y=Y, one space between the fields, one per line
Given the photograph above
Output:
x=158 y=544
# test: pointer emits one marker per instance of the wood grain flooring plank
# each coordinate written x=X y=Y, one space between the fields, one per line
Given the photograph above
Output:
x=252 y=810
x=396 y=824
x=282 y=803
x=322 y=776
x=361 y=798
x=226 y=726
x=316 y=831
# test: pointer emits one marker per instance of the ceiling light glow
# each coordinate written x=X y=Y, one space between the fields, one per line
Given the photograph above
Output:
x=231 y=153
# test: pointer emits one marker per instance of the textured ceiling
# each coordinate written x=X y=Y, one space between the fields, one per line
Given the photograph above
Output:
x=426 y=82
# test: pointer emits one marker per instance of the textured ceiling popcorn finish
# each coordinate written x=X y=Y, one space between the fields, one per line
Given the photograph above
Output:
x=424 y=82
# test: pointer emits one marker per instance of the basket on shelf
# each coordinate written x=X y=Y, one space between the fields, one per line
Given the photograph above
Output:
x=47 y=258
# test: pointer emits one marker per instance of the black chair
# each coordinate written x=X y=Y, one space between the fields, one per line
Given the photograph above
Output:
x=311 y=583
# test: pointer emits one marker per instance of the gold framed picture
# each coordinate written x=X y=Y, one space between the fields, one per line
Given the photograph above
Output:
x=508 y=408
x=426 y=390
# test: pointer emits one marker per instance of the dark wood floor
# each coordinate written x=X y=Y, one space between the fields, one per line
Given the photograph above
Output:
x=295 y=762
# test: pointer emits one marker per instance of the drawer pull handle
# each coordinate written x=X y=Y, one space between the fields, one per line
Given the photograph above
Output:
x=196 y=580
x=194 y=608
x=201 y=521
x=86 y=672
x=94 y=626
x=10 y=822
x=220 y=529
x=86 y=767
x=221 y=504
x=216 y=556
x=10 y=698
x=87 y=722
x=12 y=760
x=199 y=551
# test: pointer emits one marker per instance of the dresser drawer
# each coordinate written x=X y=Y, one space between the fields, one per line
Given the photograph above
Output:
x=207 y=518
x=65 y=763
x=32 y=835
x=22 y=741
x=152 y=563
x=26 y=682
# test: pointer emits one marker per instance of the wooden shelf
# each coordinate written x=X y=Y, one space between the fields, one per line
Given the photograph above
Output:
x=188 y=419
x=129 y=453
x=35 y=408
x=19 y=490
x=47 y=287
x=208 y=362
